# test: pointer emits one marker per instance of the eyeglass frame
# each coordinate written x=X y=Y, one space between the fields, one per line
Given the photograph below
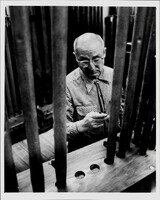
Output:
x=83 y=64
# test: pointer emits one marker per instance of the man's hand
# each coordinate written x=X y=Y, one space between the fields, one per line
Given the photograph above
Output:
x=92 y=120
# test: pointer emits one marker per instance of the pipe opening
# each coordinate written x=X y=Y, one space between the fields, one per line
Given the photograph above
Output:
x=94 y=168
x=79 y=174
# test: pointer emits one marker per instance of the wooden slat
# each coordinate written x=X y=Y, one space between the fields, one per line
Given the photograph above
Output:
x=11 y=184
x=119 y=61
x=110 y=178
x=21 y=29
x=138 y=34
x=59 y=20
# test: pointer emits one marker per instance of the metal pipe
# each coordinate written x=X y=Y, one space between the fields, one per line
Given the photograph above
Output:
x=138 y=34
x=59 y=20
x=21 y=30
x=119 y=61
x=11 y=184
x=10 y=74
x=148 y=92
x=8 y=100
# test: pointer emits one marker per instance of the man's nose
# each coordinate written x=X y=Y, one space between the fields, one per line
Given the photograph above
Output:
x=91 y=65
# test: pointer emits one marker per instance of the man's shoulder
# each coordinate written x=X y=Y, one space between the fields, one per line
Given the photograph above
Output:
x=73 y=76
x=108 y=69
x=108 y=73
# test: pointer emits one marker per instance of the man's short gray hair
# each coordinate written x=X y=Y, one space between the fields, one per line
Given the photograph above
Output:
x=86 y=37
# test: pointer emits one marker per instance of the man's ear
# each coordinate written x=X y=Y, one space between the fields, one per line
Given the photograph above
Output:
x=74 y=54
x=104 y=51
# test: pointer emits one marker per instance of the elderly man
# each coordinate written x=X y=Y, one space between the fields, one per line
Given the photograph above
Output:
x=88 y=93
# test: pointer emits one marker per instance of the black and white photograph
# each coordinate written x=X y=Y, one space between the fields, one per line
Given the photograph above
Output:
x=79 y=100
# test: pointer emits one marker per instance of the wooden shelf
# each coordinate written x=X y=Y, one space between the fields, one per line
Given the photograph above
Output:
x=110 y=178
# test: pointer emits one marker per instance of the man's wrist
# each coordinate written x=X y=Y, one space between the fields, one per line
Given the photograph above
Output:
x=80 y=126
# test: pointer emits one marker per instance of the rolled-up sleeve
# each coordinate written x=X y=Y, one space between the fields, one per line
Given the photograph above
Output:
x=71 y=126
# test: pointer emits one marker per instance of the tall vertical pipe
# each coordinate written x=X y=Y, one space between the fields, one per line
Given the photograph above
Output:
x=11 y=184
x=8 y=99
x=138 y=34
x=141 y=109
x=148 y=92
x=119 y=62
x=10 y=74
x=59 y=19
x=21 y=30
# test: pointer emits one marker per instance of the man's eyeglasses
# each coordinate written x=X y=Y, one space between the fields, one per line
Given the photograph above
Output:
x=86 y=63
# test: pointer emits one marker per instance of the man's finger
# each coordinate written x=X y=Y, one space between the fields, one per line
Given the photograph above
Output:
x=99 y=116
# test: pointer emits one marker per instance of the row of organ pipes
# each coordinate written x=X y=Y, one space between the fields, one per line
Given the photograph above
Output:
x=142 y=34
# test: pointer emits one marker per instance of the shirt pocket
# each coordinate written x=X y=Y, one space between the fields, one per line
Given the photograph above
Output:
x=84 y=110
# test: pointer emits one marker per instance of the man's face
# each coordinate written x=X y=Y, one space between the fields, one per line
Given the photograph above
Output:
x=90 y=58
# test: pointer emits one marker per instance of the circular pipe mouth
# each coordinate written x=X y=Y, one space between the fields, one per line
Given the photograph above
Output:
x=79 y=174
x=95 y=168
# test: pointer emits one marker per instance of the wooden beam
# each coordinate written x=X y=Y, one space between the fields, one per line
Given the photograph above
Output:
x=137 y=40
x=119 y=62
x=59 y=19
x=21 y=30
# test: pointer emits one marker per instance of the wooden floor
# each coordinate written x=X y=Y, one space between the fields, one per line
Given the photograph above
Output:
x=20 y=151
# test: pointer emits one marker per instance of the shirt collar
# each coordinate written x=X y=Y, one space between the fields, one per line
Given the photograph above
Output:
x=89 y=82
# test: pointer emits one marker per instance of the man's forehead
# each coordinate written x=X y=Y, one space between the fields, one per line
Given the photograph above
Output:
x=88 y=43
x=88 y=53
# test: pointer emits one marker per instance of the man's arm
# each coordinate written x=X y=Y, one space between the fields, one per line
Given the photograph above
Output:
x=71 y=125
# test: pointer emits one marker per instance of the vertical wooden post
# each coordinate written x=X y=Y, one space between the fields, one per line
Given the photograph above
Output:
x=21 y=30
x=10 y=179
x=132 y=78
x=59 y=19
x=119 y=62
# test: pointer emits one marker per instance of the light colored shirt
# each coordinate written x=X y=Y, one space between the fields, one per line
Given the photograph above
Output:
x=82 y=98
